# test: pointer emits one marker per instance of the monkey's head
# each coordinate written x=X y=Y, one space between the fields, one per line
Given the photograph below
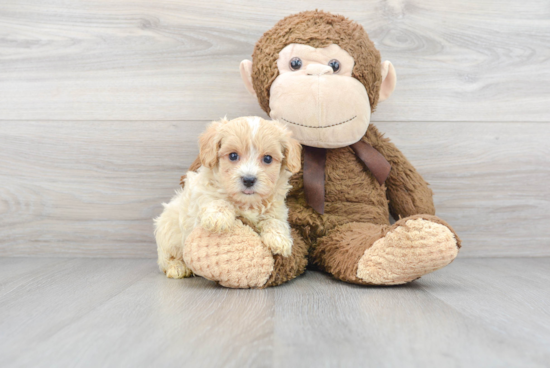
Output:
x=321 y=75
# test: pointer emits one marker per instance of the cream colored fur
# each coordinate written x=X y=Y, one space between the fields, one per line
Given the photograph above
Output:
x=207 y=202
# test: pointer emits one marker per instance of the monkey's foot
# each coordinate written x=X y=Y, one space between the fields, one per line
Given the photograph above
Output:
x=236 y=258
x=413 y=248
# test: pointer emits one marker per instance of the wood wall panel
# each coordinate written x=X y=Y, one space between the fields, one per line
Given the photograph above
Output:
x=92 y=188
x=457 y=60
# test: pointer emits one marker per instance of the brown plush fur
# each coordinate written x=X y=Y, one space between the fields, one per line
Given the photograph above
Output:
x=317 y=29
x=287 y=268
x=352 y=193
x=339 y=252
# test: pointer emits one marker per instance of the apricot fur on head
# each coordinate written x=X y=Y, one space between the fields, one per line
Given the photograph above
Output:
x=248 y=155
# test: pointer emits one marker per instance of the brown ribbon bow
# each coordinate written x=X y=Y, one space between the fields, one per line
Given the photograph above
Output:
x=314 y=170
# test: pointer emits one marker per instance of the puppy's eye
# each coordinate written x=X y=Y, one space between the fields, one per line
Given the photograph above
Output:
x=335 y=65
x=233 y=156
x=267 y=159
x=295 y=63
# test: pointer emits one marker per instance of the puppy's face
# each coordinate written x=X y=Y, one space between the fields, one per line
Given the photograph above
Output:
x=248 y=155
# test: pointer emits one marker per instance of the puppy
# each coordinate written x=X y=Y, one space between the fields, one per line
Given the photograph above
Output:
x=246 y=164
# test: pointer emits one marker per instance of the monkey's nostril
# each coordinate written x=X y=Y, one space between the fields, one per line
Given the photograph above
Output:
x=249 y=181
x=318 y=69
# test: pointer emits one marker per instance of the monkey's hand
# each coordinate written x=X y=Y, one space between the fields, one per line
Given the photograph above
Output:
x=218 y=216
x=275 y=234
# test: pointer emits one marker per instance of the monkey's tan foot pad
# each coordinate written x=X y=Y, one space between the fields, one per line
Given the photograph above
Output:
x=407 y=252
x=235 y=259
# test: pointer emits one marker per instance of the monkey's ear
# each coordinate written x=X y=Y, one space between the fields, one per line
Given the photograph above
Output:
x=246 y=75
x=389 y=78
x=209 y=144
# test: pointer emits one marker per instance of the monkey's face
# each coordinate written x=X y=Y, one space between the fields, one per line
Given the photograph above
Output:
x=318 y=99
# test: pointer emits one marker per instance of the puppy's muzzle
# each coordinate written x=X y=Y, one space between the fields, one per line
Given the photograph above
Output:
x=248 y=181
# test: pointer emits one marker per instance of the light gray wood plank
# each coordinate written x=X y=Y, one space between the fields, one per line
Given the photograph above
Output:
x=116 y=313
x=456 y=60
x=17 y=272
x=336 y=324
x=473 y=313
x=92 y=188
x=89 y=188
x=512 y=295
x=13 y=268
x=54 y=298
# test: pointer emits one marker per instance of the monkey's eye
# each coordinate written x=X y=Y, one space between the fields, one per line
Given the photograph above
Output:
x=233 y=156
x=295 y=63
x=335 y=65
x=267 y=159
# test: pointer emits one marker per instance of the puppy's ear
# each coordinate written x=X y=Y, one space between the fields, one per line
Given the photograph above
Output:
x=293 y=155
x=209 y=144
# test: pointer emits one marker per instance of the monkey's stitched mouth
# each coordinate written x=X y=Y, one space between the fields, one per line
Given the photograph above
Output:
x=319 y=127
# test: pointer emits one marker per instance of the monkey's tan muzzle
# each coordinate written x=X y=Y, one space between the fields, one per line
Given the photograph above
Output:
x=321 y=109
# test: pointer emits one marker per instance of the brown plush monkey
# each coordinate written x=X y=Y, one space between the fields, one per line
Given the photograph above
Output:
x=321 y=75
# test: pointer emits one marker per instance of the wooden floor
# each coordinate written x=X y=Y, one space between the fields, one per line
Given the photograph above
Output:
x=122 y=312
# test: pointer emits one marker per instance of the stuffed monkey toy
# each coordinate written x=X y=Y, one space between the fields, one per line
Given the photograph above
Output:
x=321 y=75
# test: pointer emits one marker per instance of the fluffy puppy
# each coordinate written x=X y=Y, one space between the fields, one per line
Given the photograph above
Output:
x=246 y=164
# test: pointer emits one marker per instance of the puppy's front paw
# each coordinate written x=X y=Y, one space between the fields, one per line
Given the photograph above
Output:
x=218 y=217
x=276 y=236
x=178 y=271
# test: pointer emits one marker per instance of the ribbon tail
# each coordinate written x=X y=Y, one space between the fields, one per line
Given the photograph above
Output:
x=375 y=162
x=314 y=177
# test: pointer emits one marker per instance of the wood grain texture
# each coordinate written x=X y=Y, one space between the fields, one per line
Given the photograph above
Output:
x=458 y=60
x=89 y=188
x=125 y=313
x=92 y=188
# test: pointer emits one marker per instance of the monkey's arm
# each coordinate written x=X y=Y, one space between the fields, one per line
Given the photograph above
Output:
x=194 y=166
x=407 y=191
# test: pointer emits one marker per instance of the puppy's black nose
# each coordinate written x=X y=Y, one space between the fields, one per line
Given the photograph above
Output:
x=249 y=181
